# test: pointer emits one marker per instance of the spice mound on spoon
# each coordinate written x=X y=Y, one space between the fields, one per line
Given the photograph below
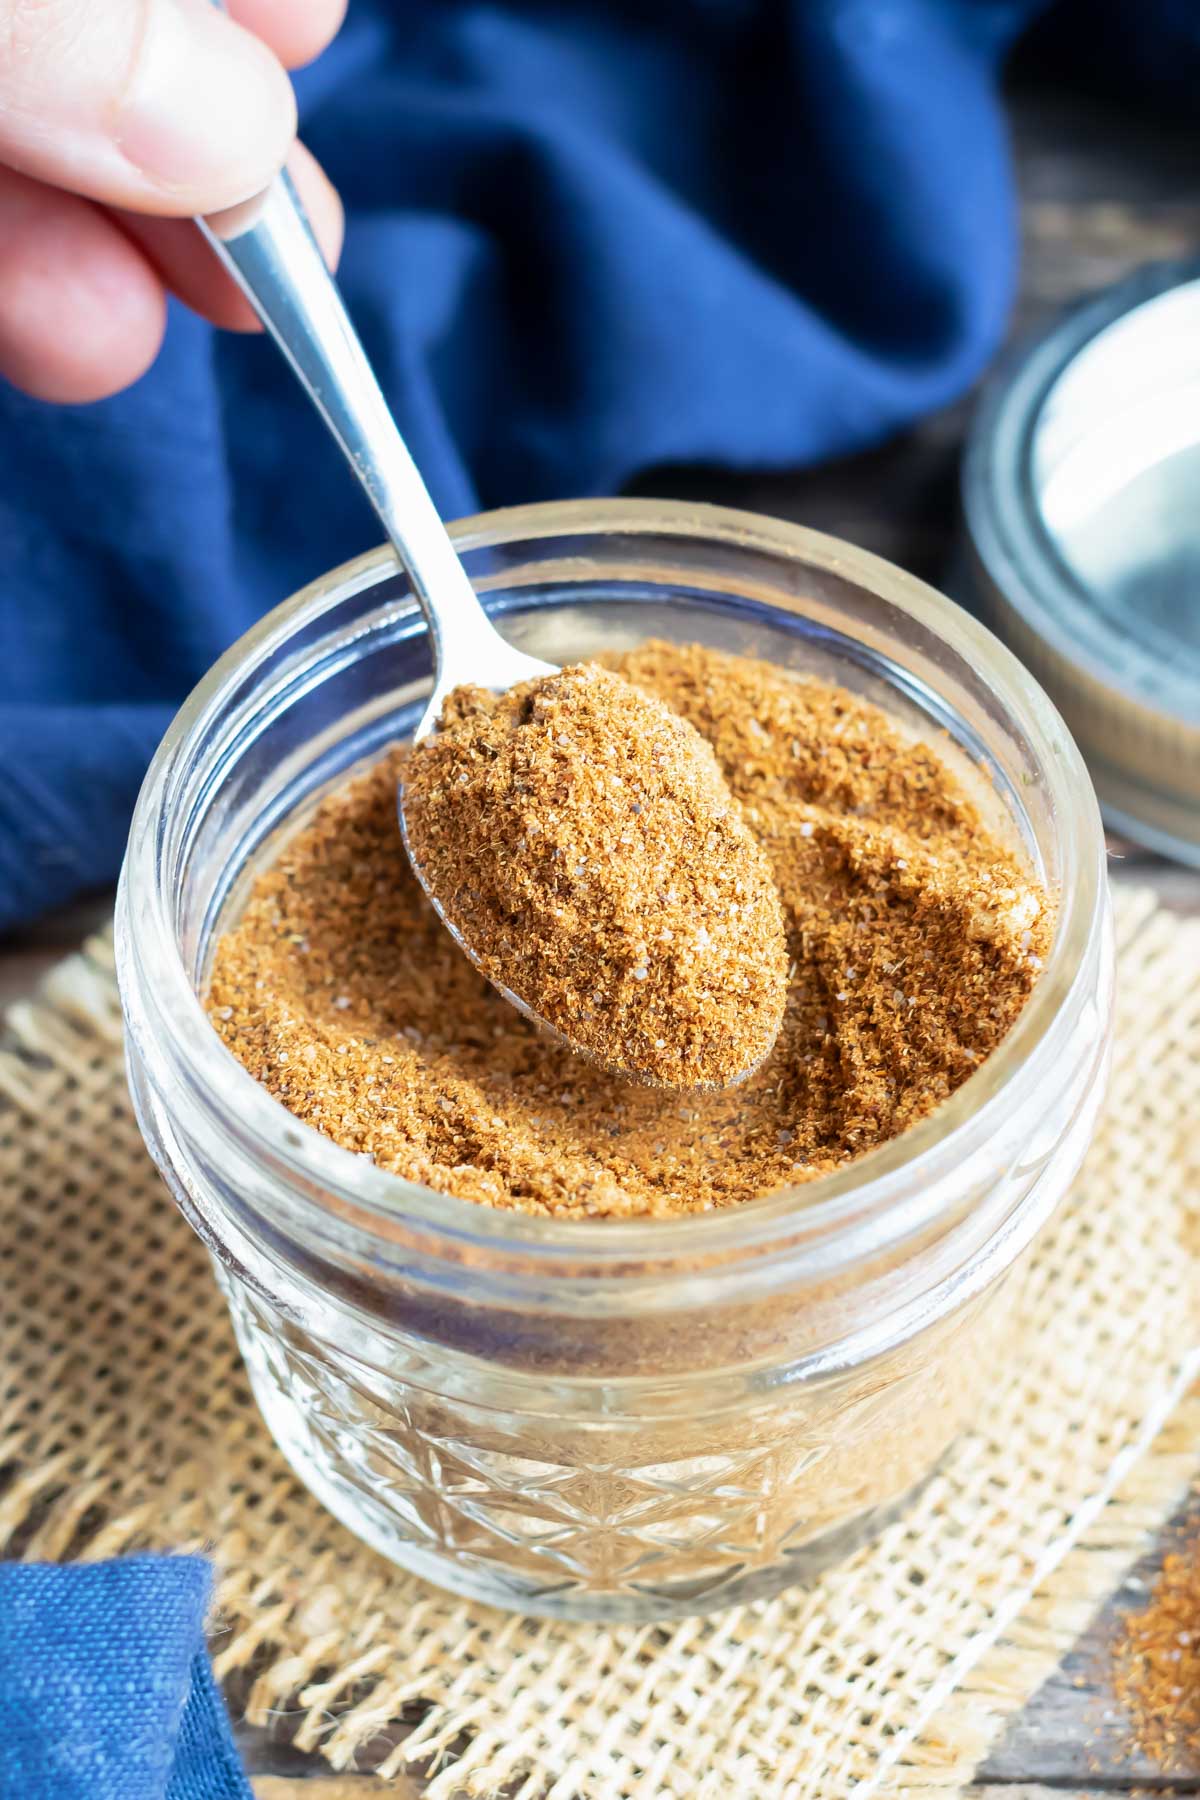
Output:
x=579 y=839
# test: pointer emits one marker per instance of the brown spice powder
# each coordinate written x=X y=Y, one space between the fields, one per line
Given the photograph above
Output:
x=580 y=836
x=1157 y=1661
x=915 y=939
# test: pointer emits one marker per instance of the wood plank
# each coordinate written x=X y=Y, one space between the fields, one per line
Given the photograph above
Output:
x=1038 y=1791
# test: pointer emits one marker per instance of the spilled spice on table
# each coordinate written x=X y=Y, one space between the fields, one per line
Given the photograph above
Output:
x=581 y=838
x=915 y=938
x=1157 y=1660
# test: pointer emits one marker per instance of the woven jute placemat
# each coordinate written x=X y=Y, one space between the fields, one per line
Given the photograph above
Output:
x=126 y=1422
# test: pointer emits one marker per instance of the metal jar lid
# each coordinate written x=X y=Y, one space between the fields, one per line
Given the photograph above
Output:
x=1081 y=489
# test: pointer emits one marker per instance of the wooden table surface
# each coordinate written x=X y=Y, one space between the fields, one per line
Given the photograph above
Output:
x=1103 y=191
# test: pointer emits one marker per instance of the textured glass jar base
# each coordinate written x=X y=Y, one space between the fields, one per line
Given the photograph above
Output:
x=651 y=1519
x=487 y=1581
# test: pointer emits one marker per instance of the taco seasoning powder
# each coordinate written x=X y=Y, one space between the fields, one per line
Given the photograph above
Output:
x=1157 y=1661
x=914 y=938
x=581 y=838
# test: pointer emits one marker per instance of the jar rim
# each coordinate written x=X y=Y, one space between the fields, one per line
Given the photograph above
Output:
x=881 y=1182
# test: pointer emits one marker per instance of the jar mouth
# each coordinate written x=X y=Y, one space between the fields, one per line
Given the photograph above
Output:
x=903 y=1179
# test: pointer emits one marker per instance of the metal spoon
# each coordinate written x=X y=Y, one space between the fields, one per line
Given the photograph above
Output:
x=268 y=247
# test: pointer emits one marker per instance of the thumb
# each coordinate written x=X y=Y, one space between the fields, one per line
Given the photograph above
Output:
x=161 y=106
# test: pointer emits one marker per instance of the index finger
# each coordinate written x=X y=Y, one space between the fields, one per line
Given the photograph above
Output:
x=296 y=30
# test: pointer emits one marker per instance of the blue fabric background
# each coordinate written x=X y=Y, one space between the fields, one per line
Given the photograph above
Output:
x=584 y=237
x=105 y=1687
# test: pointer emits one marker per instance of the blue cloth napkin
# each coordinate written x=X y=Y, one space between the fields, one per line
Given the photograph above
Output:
x=584 y=237
x=105 y=1687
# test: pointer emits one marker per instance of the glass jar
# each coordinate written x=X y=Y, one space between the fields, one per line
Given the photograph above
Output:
x=608 y=1420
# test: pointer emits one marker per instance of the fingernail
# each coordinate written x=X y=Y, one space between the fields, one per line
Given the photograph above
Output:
x=210 y=114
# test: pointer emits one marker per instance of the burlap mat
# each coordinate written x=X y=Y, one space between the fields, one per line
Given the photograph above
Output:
x=127 y=1422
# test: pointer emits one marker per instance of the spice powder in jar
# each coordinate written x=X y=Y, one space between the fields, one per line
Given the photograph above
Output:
x=914 y=933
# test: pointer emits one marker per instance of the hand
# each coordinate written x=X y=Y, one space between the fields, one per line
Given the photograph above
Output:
x=119 y=121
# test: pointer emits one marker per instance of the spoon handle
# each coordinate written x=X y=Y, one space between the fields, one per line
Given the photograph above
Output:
x=268 y=247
